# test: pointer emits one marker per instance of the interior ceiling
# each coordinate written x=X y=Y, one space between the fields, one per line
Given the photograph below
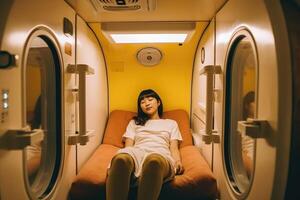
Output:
x=166 y=10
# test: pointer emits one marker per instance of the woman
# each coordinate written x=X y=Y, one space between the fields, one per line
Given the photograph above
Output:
x=151 y=154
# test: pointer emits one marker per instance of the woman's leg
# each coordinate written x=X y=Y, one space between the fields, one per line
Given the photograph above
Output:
x=118 y=179
x=155 y=169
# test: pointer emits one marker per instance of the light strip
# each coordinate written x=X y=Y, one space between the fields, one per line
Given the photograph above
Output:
x=149 y=38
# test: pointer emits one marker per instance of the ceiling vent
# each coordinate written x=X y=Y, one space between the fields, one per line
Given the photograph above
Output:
x=149 y=56
x=123 y=5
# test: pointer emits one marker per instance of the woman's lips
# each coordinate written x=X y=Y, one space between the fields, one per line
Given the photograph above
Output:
x=149 y=108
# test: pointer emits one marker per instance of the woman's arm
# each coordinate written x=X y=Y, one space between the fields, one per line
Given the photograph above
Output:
x=129 y=142
x=176 y=155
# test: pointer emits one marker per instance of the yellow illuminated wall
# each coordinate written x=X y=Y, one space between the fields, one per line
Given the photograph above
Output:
x=249 y=79
x=171 y=79
x=33 y=86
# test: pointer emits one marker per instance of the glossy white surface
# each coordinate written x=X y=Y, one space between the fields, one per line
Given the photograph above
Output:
x=166 y=10
x=254 y=16
x=90 y=53
x=23 y=18
x=199 y=88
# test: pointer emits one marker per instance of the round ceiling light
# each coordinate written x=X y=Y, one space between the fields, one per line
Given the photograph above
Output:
x=149 y=56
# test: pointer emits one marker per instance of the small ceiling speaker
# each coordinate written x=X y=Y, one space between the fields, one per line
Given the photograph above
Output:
x=149 y=56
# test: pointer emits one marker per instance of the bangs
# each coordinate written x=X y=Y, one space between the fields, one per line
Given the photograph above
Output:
x=148 y=94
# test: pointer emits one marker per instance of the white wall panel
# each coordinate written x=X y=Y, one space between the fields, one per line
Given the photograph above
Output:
x=90 y=53
x=199 y=89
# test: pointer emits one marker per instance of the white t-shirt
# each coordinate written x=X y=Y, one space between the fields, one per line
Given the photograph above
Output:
x=153 y=137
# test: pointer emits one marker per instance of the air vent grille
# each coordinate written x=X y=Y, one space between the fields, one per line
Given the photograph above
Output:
x=116 y=5
x=116 y=2
x=133 y=1
x=106 y=1
x=120 y=8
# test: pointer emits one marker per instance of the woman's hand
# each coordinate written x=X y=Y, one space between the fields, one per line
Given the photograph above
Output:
x=178 y=167
x=176 y=155
x=129 y=142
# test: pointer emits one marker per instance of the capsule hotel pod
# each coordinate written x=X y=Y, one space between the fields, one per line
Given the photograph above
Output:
x=227 y=73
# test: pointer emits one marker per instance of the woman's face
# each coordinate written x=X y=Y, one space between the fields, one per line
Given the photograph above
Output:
x=149 y=105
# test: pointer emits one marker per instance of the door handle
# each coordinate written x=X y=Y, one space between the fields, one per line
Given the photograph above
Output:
x=81 y=139
x=254 y=128
x=82 y=70
x=20 y=138
x=211 y=136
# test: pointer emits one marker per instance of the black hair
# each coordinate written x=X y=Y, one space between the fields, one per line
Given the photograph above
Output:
x=249 y=98
x=141 y=117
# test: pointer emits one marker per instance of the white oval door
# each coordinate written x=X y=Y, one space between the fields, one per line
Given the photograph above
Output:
x=43 y=109
x=239 y=146
x=251 y=161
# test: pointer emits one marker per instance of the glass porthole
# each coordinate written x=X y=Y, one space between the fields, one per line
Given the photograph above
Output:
x=240 y=104
x=42 y=76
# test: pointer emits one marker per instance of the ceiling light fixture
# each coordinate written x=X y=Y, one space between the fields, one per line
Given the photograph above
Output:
x=148 y=32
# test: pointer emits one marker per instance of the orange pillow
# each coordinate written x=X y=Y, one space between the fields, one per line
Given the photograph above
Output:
x=119 y=119
x=182 y=119
x=116 y=126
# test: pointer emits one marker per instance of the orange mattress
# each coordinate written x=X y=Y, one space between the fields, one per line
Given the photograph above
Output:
x=197 y=181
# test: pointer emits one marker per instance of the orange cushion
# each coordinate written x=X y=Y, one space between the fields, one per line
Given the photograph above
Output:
x=197 y=181
x=182 y=119
x=90 y=182
x=119 y=119
x=116 y=126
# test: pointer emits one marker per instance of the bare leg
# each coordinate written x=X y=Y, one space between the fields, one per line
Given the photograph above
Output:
x=155 y=169
x=118 y=180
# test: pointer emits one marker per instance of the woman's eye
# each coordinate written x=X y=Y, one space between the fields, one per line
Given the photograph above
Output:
x=150 y=99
